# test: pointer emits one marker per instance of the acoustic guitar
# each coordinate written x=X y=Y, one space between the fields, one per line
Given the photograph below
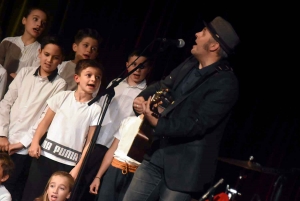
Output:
x=143 y=139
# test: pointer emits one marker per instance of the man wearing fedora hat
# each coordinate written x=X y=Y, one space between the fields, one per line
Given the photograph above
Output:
x=182 y=159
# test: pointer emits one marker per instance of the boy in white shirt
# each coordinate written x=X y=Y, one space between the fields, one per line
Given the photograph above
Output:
x=117 y=168
x=86 y=45
x=22 y=106
x=71 y=123
x=6 y=168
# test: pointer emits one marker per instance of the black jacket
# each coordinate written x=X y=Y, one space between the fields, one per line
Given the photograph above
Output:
x=193 y=126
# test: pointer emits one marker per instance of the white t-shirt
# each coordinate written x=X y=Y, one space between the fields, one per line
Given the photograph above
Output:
x=4 y=194
x=69 y=128
x=119 y=108
x=127 y=132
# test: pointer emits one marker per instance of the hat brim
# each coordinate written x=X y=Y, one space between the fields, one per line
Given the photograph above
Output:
x=216 y=36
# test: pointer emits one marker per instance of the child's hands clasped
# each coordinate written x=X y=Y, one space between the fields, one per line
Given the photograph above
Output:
x=13 y=148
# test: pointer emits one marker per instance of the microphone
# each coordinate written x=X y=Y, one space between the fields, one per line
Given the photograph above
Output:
x=177 y=42
x=211 y=190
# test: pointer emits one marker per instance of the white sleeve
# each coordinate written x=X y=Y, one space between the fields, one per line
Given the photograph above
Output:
x=96 y=115
x=8 y=101
x=27 y=138
x=129 y=128
x=5 y=197
x=118 y=133
x=61 y=66
x=55 y=101
x=3 y=81
x=4 y=194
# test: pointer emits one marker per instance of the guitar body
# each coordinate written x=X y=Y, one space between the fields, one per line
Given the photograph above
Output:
x=144 y=138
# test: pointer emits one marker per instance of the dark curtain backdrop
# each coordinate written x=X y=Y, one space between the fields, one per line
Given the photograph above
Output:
x=265 y=120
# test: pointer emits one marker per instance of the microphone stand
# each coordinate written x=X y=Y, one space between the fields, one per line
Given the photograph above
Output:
x=110 y=94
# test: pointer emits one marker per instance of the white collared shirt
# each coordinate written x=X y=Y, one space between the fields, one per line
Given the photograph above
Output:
x=119 y=108
x=24 y=103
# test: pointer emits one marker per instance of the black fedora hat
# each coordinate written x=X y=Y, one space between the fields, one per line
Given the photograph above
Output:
x=223 y=33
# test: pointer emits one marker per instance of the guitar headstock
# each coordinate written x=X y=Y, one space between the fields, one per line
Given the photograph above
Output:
x=159 y=101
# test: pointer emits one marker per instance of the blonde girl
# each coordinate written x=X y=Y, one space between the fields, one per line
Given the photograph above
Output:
x=58 y=188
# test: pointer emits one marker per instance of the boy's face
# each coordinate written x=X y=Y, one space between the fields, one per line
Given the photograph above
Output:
x=35 y=23
x=139 y=75
x=50 y=57
x=89 y=79
x=2 y=178
x=58 y=188
x=86 y=49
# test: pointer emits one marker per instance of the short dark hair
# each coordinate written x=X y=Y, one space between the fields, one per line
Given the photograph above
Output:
x=6 y=163
x=87 y=32
x=139 y=53
x=27 y=12
x=30 y=9
x=85 y=63
x=53 y=39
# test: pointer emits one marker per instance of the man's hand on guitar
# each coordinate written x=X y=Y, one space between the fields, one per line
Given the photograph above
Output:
x=137 y=104
x=148 y=114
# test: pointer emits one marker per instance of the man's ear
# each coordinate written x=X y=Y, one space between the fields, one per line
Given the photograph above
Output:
x=4 y=178
x=214 y=46
x=74 y=47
